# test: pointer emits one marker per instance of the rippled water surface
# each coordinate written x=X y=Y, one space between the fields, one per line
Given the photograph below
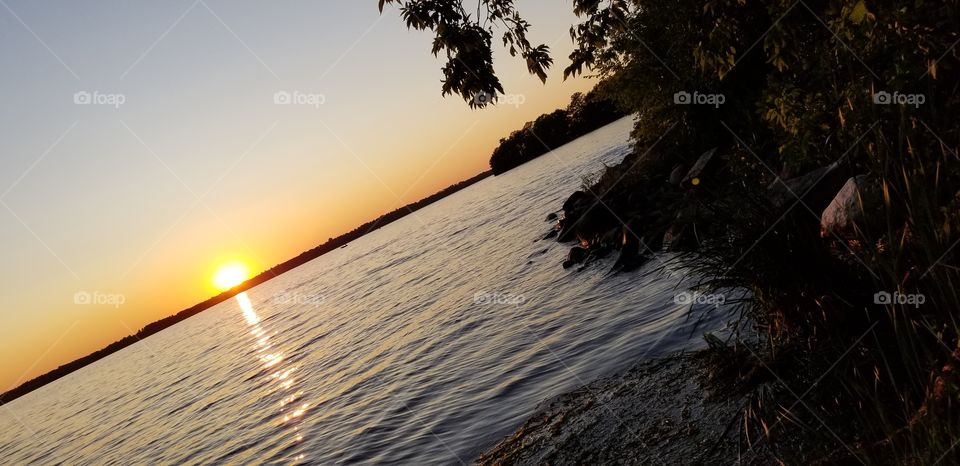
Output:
x=424 y=342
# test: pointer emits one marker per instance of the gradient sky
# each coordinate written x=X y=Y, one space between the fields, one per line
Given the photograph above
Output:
x=199 y=166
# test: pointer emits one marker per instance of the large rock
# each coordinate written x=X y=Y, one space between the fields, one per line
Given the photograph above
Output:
x=595 y=223
x=575 y=203
x=858 y=202
x=567 y=230
x=633 y=251
x=573 y=210
x=612 y=238
x=585 y=219
x=815 y=189
x=576 y=256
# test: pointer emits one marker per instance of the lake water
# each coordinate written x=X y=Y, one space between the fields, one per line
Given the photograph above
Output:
x=424 y=342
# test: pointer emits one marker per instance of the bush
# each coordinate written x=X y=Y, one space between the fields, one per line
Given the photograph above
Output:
x=807 y=84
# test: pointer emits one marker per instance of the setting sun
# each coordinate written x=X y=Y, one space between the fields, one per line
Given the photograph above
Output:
x=230 y=275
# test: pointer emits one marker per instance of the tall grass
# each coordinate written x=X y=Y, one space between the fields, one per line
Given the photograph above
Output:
x=800 y=82
x=892 y=371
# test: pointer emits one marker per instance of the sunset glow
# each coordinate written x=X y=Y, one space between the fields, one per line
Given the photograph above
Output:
x=230 y=275
x=202 y=122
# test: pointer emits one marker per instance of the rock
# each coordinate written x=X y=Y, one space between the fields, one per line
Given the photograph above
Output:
x=574 y=208
x=815 y=189
x=585 y=219
x=612 y=238
x=573 y=204
x=703 y=165
x=577 y=254
x=552 y=233
x=855 y=204
x=628 y=237
x=551 y=217
x=595 y=222
x=567 y=230
x=632 y=249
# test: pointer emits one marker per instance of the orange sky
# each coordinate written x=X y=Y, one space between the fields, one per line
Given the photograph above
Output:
x=199 y=165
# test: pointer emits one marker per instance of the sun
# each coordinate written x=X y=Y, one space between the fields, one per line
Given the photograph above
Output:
x=230 y=275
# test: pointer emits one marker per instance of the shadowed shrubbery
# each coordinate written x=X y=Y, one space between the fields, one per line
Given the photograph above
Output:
x=871 y=87
x=799 y=97
x=549 y=131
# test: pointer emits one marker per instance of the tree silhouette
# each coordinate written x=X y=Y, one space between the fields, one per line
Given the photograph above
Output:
x=467 y=41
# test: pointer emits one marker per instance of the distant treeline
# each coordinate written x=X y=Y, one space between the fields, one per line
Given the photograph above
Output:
x=301 y=259
x=549 y=131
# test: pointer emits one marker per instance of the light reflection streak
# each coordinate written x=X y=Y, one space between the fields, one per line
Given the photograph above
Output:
x=282 y=376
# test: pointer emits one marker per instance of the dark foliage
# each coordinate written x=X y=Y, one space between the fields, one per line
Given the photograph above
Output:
x=806 y=84
x=466 y=40
x=552 y=130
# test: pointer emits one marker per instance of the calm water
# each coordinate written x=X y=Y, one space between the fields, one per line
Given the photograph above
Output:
x=422 y=343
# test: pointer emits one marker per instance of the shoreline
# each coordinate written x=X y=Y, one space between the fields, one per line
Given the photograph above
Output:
x=273 y=272
x=684 y=408
x=656 y=412
x=591 y=113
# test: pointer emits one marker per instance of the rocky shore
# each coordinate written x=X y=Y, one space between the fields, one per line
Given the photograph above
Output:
x=659 y=412
x=828 y=188
x=637 y=220
x=688 y=408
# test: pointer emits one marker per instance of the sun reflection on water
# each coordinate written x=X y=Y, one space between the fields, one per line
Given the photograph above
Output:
x=291 y=407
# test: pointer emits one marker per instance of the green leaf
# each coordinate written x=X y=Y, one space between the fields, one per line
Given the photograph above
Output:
x=859 y=12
